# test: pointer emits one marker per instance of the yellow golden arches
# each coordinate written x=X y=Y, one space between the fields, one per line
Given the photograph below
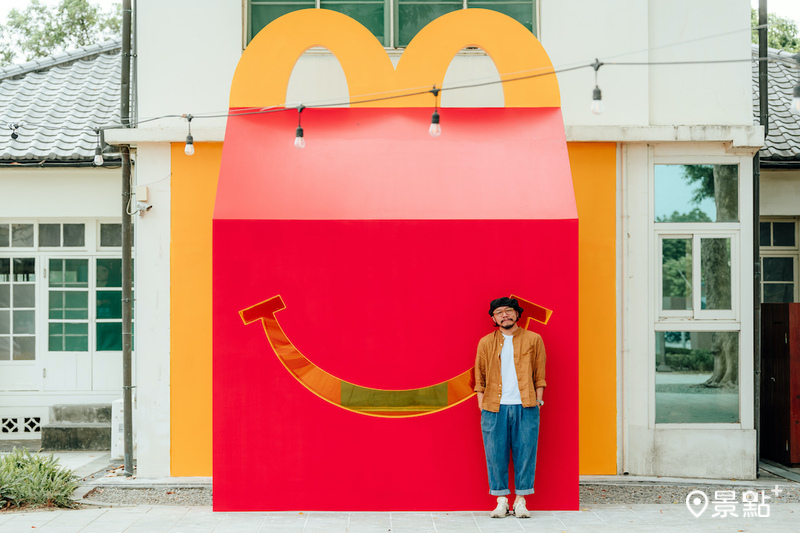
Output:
x=264 y=69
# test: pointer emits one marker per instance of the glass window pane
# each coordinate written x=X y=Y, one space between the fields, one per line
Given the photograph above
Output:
x=22 y=235
x=76 y=337
x=76 y=305
x=696 y=193
x=5 y=348
x=697 y=377
x=76 y=272
x=24 y=269
x=110 y=234
x=56 y=305
x=412 y=17
x=56 y=273
x=370 y=14
x=109 y=336
x=5 y=269
x=74 y=235
x=24 y=322
x=5 y=296
x=783 y=234
x=263 y=14
x=49 y=234
x=715 y=273
x=55 y=338
x=5 y=322
x=778 y=269
x=24 y=348
x=109 y=272
x=522 y=12
x=4 y=236
x=676 y=274
x=24 y=296
x=778 y=293
x=109 y=304
x=765 y=238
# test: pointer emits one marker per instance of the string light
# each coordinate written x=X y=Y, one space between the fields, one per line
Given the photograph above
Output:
x=189 y=148
x=435 y=129
x=98 y=151
x=299 y=140
x=597 y=96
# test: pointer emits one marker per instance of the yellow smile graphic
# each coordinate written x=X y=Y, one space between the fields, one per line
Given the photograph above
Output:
x=364 y=400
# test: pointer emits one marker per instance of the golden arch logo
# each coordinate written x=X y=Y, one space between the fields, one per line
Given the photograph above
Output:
x=266 y=65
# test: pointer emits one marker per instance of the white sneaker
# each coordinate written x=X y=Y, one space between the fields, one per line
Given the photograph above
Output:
x=520 y=511
x=501 y=510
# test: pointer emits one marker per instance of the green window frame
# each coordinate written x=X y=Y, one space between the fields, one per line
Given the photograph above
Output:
x=393 y=22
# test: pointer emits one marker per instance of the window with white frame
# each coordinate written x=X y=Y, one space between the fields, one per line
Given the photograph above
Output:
x=75 y=280
x=697 y=233
x=779 y=260
x=393 y=22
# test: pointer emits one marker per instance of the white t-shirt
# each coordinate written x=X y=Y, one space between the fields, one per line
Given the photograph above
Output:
x=508 y=373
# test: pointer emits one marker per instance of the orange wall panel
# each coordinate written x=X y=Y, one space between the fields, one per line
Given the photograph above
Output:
x=194 y=187
x=194 y=183
x=594 y=170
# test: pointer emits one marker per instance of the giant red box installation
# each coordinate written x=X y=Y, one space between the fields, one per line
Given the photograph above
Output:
x=352 y=281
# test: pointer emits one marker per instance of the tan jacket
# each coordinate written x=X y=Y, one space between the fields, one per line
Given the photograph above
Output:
x=529 y=360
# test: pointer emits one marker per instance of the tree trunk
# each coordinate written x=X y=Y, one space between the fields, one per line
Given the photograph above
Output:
x=716 y=259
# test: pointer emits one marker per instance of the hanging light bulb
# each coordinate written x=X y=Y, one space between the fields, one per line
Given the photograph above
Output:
x=597 y=101
x=189 y=148
x=299 y=140
x=98 y=150
x=435 y=129
x=14 y=134
x=796 y=100
x=597 y=96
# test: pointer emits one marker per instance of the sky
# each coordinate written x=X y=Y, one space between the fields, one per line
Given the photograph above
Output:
x=785 y=8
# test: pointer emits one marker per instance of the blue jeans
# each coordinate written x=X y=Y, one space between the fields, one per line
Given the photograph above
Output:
x=514 y=429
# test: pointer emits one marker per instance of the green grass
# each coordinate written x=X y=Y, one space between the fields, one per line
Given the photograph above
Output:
x=36 y=480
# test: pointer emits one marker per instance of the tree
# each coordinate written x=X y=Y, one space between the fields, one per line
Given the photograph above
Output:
x=40 y=30
x=720 y=182
x=781 y=33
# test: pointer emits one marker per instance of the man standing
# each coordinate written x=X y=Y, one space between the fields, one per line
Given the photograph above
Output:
x=510 y=382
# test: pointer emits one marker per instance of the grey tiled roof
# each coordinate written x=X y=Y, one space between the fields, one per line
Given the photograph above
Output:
x=783 y=139
x=57 y=101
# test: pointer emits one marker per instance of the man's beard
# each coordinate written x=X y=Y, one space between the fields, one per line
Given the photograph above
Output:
x=509 y=326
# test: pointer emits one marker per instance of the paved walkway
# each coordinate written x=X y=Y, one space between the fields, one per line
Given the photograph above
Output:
x=783 y=517
x=601 y=518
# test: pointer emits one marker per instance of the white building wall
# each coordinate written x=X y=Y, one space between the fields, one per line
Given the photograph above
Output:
x=186 y=63
x=188 y=51
x=780 y=190
x=152 y=369
x=60 y=193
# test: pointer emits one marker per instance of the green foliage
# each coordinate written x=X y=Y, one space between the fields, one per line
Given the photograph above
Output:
x=781 y=33
x=695 y=215
x=703 y=176
x=40 y=30
x=34 y=479
x=685 y=359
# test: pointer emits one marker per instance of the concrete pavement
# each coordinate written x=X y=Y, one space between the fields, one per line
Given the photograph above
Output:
x=600 y=518
x=777 y=518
